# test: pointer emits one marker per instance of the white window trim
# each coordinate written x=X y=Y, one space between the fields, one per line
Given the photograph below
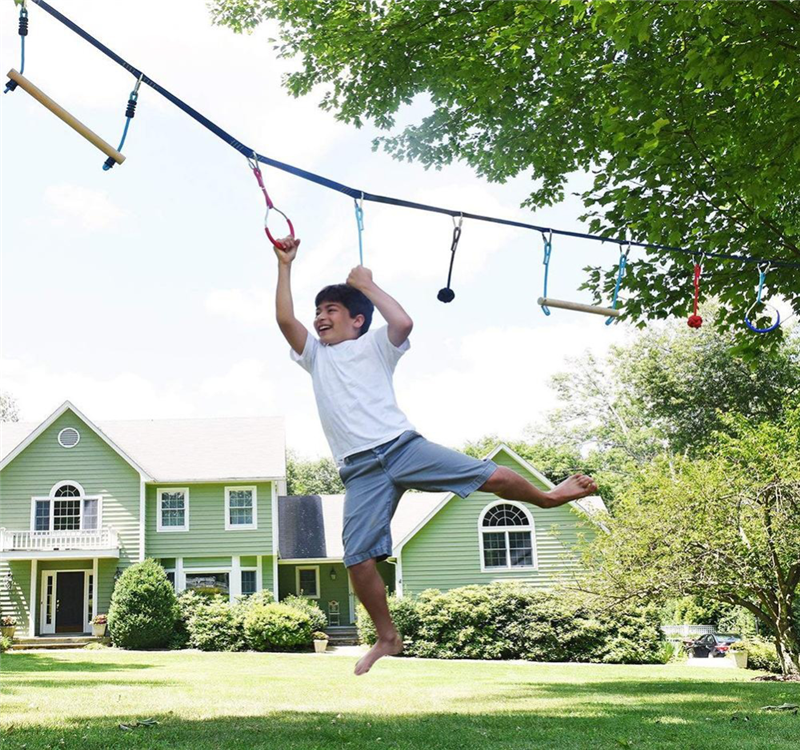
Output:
x=241 y=526
x=297 y=570
x=531 y=527
x=249 y=569
x=51 y=498
x=61 y=432
x=167 y=529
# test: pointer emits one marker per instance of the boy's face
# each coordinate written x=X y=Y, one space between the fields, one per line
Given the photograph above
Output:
x=334 y=324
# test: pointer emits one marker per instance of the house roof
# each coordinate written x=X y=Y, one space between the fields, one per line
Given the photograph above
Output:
x=178 y=450
x=310 y=526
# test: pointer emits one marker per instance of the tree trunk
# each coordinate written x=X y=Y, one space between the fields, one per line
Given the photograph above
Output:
x=787 y=644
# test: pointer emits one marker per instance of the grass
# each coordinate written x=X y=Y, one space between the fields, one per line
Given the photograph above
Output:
x=215 y=701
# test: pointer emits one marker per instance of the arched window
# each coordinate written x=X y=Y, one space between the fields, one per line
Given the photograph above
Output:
x=506 y=536
x=67 y=508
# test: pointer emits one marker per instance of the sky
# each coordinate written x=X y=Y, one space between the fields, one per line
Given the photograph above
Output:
x=148 y=291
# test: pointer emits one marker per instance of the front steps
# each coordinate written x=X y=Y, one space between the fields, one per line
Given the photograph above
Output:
x=342 y=635
x=54 y=642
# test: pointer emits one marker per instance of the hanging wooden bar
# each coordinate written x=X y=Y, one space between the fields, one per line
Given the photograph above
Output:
x=62 y=113
x=578 y=307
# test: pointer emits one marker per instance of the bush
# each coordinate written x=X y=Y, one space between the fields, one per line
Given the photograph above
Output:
x=276 y=627
x=143 y=607
x=404 y=613
x=510 y=621
x=761 y=655
x=214 y=626
x=319 y=620
x=5 y=643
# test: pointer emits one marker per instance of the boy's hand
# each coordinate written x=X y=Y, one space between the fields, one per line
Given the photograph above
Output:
x=288 y=250
x=360 y=278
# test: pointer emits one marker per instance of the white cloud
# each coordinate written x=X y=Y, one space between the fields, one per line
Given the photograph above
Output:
x=251 y=306
x=81 y=207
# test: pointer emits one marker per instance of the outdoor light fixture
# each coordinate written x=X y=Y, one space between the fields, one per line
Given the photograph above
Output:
x=333 y=574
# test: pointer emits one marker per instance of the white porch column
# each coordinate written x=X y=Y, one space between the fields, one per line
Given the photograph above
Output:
x=32 y=608
x=180 y=578
x=259 y=574
x=95 y=588
x=235 y=578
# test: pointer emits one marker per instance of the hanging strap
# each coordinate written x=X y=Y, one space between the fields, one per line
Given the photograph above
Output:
x=253 y=163
x=762 y=275
x=695 y=321
x=23 y=32
x=130 y=112
x=447 y=294
x=623 y=262
x=359 y=206
x=548 y=248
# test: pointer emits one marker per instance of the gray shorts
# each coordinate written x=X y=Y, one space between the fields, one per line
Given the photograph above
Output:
x=376 y=479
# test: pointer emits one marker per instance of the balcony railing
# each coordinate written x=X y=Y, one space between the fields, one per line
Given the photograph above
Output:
x=44 y=541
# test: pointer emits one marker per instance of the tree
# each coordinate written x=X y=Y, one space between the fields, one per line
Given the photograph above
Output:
x=9 y=409
x=315 y=477
x=665 y=392
x=687 y=113
x=725 y=526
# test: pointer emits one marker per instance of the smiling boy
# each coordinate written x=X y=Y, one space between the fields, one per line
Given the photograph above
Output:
x=379 y=454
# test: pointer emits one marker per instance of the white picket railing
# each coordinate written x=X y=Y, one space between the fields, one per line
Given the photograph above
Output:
x=39 y=541
x=687 y=630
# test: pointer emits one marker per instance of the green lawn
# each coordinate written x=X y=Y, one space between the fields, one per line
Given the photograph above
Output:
x=77 y=699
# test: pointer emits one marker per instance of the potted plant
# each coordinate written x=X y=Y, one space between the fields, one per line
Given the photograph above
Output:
x=99 y=625
x=320 y=641
x=738 y=653
x=9 y=625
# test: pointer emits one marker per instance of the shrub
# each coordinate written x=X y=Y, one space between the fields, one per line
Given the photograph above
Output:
x=276 y=627
x=213 y=626
x=319 y=620
x=5 y=643
x=510 y=621
x=143 y=607
x=761 y=655
x=403 y=612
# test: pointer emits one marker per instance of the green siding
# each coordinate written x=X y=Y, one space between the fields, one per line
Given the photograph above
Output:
x=267 y=573
x=248 y=561
x=329 y=590
x=15 y=601
x=445 y=553
x=207 y=536
x=92 y=463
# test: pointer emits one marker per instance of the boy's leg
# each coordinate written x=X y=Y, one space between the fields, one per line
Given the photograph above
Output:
x=509 y=485
x=371 y=591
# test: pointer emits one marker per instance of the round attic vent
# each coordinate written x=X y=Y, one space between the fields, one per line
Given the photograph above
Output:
x=69 y=437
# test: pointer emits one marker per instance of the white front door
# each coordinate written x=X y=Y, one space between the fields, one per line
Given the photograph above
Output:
x=47 y=606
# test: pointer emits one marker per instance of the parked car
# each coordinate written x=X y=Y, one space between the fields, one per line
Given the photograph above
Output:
x=710 y=645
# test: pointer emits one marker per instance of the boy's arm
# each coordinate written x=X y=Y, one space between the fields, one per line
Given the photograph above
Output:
x=291 y=328
x=399 y=322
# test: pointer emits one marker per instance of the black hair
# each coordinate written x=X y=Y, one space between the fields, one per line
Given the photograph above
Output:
x=355 y=301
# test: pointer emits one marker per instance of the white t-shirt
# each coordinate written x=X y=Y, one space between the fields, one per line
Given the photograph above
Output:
x=353 y=387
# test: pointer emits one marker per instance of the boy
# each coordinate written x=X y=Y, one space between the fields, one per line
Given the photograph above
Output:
x=378 y=453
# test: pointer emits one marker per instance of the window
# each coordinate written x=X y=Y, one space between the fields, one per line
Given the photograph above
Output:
x=248 y=582
x=67 y=508
x=240 y=508
x=171 y=577
x=506 y=535
x=308 y=582
x=173 y=509
x=209 y=583
x=69 y=437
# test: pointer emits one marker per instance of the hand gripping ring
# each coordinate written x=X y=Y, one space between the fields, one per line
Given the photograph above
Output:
x=270 y=205
x=755 y=329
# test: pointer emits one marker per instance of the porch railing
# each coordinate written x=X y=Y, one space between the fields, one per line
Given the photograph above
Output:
x=41 y=541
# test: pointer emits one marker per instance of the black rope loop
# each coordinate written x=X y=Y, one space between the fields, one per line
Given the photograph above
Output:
x=447 y=294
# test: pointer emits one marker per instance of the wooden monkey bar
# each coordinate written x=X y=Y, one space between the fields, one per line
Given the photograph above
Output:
x=62 y=114
x=607 y=312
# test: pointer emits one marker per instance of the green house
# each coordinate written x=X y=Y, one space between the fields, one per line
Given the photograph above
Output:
x=80 y=501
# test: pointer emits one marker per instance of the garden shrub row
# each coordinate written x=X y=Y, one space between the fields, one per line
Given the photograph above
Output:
x=509 y=621
x=145 y=613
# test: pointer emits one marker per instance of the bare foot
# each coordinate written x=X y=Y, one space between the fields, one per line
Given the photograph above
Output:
x=572 y=488
x=381 y=648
